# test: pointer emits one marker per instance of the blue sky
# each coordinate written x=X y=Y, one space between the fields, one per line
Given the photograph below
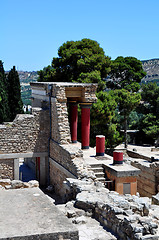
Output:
x=33 y=30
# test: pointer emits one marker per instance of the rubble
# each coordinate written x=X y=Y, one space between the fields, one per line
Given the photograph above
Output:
x=6 y=184
x=128 y=216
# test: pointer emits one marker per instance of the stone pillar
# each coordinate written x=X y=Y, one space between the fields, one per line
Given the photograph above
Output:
x=73 y=121
x=16 y=169
x=42 y=171
x=85 y=124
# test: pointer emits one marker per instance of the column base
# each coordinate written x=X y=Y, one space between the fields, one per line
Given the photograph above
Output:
x=99 y=154
x=74 y=141
x=85 y=147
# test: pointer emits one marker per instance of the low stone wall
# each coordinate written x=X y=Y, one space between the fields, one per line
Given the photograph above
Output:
x=134 y=154
x=67 y=160
x=148 y=179
x=130 y=217
x=7 y=168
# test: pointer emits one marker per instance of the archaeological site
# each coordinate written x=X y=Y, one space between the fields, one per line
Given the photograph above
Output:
x=120 y=192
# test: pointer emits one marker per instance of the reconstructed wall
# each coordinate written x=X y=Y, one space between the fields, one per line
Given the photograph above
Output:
x=27 y=133
x=7 y=169
x=148 y=179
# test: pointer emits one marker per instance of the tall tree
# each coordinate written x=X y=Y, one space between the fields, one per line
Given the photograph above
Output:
x=126 y=103
x=79 y=61
x=4 y=109
x=102 y=115
x=126 y=73
x=14 y=94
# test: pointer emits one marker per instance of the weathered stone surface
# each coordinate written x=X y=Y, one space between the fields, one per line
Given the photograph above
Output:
x=128 y=216
x=33 y=183
x=28 y=214
x=79 y=220
x=155 y=199
x=4 y=182
x=17 y=184
x=147 y=180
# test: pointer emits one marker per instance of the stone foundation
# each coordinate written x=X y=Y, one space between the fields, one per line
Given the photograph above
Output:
x=148 y=179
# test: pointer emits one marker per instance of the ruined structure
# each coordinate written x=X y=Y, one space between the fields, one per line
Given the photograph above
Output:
x=76 y=171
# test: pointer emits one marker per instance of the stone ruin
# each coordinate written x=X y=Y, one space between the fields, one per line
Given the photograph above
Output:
x=72 y=168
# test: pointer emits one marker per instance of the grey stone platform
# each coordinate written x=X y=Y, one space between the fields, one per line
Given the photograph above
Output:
x=29 y=214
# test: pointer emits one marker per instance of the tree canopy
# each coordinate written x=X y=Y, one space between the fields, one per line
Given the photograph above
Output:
x=14 y=94
x=4 y=108
x=10 y=95
x=126 y=73
x=78 y=61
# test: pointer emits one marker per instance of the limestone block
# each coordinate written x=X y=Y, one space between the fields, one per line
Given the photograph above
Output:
x=17 y=184
x=33 y=183
x=155 y=199
x=4 y=182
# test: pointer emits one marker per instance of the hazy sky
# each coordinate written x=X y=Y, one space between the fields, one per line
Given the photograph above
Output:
x=32 y=30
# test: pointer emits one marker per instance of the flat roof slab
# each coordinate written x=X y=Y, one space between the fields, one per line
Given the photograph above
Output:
x=29 y=214
x=121 y=170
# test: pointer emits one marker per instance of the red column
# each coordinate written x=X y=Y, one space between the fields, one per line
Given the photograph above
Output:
x=85 y=124
x=100 y=145
x=118 y=157
x=73 y=121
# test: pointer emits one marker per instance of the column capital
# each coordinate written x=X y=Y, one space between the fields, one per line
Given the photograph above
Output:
x=85 y=105
x=73 y=103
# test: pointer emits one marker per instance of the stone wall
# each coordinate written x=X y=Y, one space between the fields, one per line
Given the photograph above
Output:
x=134 y=154
x=68 y=160
x=7 y=169
x=27 y=133
x=60 y=123
x=148 y=179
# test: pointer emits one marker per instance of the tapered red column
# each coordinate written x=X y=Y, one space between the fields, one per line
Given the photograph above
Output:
x=85 y=124
x=73 y=121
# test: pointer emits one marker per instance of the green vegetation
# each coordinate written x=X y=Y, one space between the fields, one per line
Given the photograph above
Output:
x=78 y=61
x=10 y=96
x=14 y=94
x=126 y=73
x=84 y=61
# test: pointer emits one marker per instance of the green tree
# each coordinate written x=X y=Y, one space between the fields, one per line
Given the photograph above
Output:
x=14 y=94
x=78 y=61
x=150 y=98
x=149 y=108
x=102 y=115
x=4 y=109
x=126 y=73
x=126 y=103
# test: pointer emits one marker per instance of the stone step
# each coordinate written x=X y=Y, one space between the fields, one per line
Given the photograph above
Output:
x=97 y=169
x=99 y=175
x=96 y=165
x=101 y=179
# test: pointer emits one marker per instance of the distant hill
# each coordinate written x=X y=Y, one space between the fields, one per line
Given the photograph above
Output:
x=151 y=67
x=25 y=79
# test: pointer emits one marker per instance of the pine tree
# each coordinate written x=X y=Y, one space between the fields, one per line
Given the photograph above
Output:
x=14 y=94
x=4 y=106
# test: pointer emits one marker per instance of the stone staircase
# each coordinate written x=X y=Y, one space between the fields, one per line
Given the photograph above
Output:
x=98 y=171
